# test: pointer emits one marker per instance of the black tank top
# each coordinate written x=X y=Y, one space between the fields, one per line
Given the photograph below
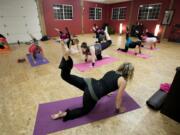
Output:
x=98 y=49
x=107 y=84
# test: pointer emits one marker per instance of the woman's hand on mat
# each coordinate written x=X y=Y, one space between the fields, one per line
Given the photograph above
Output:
x=120 y=110
x=58 y=115
x=110 y=94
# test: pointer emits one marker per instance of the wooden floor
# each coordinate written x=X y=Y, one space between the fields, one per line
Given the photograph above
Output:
x=23 y=88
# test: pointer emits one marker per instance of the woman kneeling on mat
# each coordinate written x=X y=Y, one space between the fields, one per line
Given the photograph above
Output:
x=93 y=90
x=35 y=49
x=131 y=44
x=95 y=50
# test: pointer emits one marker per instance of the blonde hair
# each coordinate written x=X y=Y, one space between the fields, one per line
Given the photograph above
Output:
x=127 y=70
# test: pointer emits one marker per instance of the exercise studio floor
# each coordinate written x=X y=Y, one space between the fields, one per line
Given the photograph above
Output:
x=23 y=88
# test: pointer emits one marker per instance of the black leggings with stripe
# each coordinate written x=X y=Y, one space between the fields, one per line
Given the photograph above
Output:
x=88 y=102
x=104 y=46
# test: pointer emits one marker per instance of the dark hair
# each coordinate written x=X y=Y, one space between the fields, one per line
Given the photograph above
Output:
x=60 y=32
x=127 y=35
x=85 y=46
x=67 y=30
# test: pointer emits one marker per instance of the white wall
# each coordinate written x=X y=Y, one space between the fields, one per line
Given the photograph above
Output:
x=17 y=17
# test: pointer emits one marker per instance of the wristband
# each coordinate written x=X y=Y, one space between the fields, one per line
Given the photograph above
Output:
x=93 y=64
x=117 y=110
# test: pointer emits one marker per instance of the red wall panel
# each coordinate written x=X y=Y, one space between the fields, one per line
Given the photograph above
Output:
x=89 y=23
x=175 y=19
x=75 y=25
x=51 y=23
x=150 y=24
x=115 y=23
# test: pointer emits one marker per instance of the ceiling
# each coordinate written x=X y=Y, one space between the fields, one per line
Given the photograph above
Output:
x=107 y=1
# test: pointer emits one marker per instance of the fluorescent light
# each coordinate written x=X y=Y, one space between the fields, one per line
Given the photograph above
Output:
x=120 y=28
x=157 y=29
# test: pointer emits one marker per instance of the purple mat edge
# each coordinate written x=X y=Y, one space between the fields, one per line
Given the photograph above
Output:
x=37 y=64
x=135 y=104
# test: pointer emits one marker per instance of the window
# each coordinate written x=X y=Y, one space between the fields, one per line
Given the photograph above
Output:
x=63 y=12
x=119 y=13
x=149 y=12
x=95 y=13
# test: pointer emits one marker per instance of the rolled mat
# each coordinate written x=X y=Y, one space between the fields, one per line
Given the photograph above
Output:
x=88 y=65
x=130 y=52
x=104 y=108
x=156 y=100
x=39 y=60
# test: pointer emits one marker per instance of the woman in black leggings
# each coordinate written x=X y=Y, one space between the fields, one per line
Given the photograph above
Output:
x=93 y=90
x=95 y=50
x=131 y=44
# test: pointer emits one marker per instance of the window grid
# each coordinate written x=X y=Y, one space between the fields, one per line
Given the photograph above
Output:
x=63 y=12
x=149 y=12
x=95 y=13
x=119 y=13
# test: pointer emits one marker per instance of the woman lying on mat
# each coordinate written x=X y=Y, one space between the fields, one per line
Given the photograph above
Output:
x=131 y=44
x=93 y=90
x=35 y=49
x=95 y=50
x=3 y=42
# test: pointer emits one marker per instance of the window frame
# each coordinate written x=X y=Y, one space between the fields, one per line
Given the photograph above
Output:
x=95 y=13
x=148 y=12
x=63 y=5
x=118 y=13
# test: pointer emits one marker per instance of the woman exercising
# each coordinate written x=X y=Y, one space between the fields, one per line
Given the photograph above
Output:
x=95 y=50
x=93 y=90
x=3 y=42
x=131 y=44
x=66 y=36
x=35 y=49
x=149 y=41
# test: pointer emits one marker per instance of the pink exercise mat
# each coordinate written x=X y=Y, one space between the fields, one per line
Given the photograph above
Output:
x=88 y=65
x=148 y=48
x=131 y=52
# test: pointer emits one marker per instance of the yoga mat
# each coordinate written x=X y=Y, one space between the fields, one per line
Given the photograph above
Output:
x=39 y=60
x=130 y=52
x=88 y=65
x=105 y=108
x=155 y=49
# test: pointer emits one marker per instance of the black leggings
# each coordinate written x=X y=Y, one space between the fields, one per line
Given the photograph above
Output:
x=132 y=45
x=88 y=102
x=104 y=46
x=2 y=47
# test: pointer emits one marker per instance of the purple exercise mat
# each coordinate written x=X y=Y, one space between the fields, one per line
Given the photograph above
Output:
x=105 y=108
x=39 y=60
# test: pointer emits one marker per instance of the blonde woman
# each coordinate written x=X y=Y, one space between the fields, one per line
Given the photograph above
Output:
x=93 y=90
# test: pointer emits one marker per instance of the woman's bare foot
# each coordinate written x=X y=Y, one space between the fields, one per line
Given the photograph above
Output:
x=58 y=115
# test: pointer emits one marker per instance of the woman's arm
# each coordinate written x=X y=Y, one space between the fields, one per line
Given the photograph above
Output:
x=93 y=55
x=122 y=86
x=107 y=34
